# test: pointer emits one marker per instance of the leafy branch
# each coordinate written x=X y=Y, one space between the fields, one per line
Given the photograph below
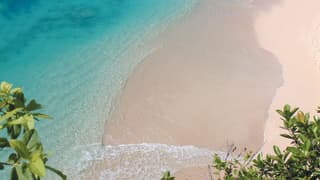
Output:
x=27 y=158
x=299 y=160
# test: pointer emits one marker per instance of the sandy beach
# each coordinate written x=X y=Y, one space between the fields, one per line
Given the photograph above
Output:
x=219 y=77
x=290 y=30
x=209 y=85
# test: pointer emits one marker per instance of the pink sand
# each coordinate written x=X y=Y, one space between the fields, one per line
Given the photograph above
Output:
x=209 y=85
x=291 y=31
x=217 y=73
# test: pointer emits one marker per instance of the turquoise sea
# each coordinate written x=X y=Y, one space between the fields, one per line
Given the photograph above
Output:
x=74 y=57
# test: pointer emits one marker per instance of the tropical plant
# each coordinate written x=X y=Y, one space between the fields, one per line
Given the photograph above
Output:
x=300 y=160
x=19 y=139
x=167 y=176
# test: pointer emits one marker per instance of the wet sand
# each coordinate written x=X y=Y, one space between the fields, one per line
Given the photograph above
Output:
x=209 y=85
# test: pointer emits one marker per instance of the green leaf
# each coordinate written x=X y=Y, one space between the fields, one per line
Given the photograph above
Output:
x=286 y=108
x=41 y=116
x=33 y=105
x=16 y=91
x=30 y=122
x=294 y=111
x=216 y=159
x=13 y=174
x=301 y=117
x=9 y=114
x=20 y=148
x=167 y=176
x=26 y=120
x=37 y=166
x=294 y=150
x=63 y=176
x=286 y=136
x=31 y=139
x=307 y=145
x=27 y=157
x=277 y=150
x=19 y=100
x=2 y=104
x=14 y=131
x=5 y=87
x=20 y=120
x=18 y=103
x=280 y=112
x=4 y=142
x=23 y=173
x=315 y=131
x=302 y=137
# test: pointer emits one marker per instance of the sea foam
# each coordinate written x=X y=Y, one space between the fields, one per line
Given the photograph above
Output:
x=135 y=161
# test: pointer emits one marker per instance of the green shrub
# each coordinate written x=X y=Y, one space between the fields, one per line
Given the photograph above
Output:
x=19 y=137
x=167 y=176
x=300 y=160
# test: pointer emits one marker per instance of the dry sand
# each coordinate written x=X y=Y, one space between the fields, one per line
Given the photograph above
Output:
x=211 y=84
x=291 y=31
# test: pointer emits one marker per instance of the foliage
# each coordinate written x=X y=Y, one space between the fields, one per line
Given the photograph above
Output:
x=19 y=137
x=300 y=160
x=167 y=176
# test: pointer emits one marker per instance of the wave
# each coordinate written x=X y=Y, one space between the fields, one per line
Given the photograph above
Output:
x=134 y=161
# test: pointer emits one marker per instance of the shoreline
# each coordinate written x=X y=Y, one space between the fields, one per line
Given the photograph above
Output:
x=281 y=31
x=178 y=74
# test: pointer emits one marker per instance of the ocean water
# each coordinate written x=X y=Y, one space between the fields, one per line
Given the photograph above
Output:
x=74 y=57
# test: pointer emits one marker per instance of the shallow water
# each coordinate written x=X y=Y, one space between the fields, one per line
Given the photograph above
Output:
x=74 y=56
x=137 y=161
